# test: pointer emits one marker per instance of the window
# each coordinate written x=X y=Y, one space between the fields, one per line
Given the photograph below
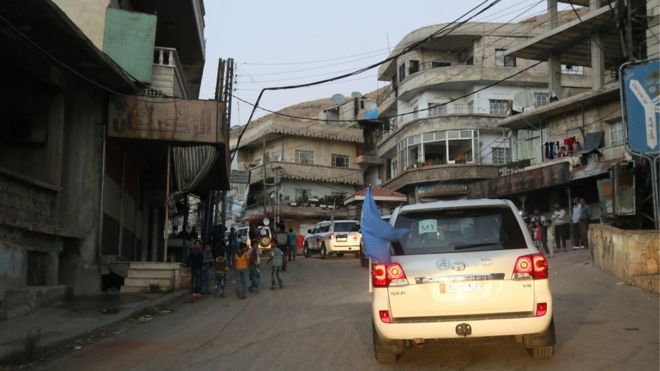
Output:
x=504 y=60
x=501 y=155
x=414 y=67
x=402 y=72
x=569 y=69
x=437 y=109
x=304 y=157
x=541 y=99
x=464 y=230
x=339 y=160
x=499 y=107
x=276 y=156
x=460 y=108
x=437 y=64
x=617 y=136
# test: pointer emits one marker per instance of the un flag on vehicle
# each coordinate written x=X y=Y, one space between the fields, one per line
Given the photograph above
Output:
x=376 y=233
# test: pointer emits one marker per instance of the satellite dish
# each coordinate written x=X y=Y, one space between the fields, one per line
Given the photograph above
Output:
x=523 y=99
x=356 y=94
x=266 y=221
x=338 y=99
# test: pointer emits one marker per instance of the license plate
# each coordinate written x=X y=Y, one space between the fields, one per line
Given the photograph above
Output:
x=460 y=287
x=339 y=239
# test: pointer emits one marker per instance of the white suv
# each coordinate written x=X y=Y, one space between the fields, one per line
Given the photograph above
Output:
x=333 y=237
x=466 y=269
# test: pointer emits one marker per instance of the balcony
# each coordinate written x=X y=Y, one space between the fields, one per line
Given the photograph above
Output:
x=298 y=211
x=370 y=159
x=388 y=141
x=309 y=173
x=439 y=173
x=457 y=75
x=168 y=78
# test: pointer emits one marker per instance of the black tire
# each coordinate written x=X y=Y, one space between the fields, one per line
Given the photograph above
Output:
x=386 y=351
x=340 y=254
x=323 y=252
x=541 y=345
x=306 y=250
x=545 y=352
x=364 y=262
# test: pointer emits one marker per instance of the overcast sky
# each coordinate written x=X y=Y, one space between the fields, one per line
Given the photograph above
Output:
x=296 y=41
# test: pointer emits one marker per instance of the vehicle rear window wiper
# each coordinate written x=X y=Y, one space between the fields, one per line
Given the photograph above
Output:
x=471 y=245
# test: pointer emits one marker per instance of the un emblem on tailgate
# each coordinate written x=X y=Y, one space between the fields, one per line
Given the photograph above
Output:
x=443 y=264
x=458 y=266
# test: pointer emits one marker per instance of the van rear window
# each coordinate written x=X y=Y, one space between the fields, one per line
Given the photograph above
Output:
x=458 y=230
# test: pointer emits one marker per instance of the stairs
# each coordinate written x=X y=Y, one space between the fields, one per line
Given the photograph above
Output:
x=146 y=277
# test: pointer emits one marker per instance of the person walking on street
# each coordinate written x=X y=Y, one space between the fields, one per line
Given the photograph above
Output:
x=220 y=268
x=560 y=223
x=282 y=239
x=232 y=241
x=277 y=260
x=537 y=216
x=207 y=268
x=195 y=264
x=537 y=235
x=585 y=218
x=575 y=223
x=255 y=273
x=292 y=245
x=241 y=261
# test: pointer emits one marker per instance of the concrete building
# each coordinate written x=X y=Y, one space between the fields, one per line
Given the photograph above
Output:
x=309 y=166
x=83 y=181
x=588 y=126
x=441 y=131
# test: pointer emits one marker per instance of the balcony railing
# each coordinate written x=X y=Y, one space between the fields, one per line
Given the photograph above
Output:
x=169 y=58
x=307 y=172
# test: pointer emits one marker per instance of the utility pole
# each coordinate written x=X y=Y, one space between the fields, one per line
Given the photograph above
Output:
x=263 y=165
x=227 y=98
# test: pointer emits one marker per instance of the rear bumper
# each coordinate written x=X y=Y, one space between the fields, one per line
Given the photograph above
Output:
x=344 y=247
x=446 y=329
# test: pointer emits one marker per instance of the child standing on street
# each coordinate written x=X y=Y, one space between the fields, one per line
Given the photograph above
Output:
x=220 y=268
x=255 y=273
x=537 y=234
x=277 y=259
x=241 y=264
x=292 y=245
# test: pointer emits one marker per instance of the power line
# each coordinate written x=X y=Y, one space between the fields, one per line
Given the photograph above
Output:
x=362 y=69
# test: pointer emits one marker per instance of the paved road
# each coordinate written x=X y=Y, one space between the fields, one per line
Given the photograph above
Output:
x=321 y=321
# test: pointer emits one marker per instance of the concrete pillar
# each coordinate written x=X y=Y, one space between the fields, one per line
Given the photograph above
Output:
x=554 y=76
x=552 y=14
x=597 y=62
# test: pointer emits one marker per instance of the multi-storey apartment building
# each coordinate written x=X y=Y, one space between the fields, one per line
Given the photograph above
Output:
x=301 y=170
x=443 y=105
x=577 y=146
x=85 y=174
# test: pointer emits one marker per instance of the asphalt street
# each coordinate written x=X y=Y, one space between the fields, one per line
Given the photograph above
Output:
x=321 y=321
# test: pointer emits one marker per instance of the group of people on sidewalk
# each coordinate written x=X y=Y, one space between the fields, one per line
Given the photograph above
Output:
x=208 y=265
x=550 y=236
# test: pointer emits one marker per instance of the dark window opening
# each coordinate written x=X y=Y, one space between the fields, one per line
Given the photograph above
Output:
x=402 y=72
x=414 y=67
x=437 y=64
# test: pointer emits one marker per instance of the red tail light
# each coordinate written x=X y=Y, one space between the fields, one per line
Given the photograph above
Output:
x=385 y=274
x=385 y=316
x=533 y=266
x=331 y=236
x=541 y=309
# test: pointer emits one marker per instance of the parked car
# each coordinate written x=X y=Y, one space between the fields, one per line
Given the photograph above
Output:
x=333 y=237
x=467 y=270
x=364 y=261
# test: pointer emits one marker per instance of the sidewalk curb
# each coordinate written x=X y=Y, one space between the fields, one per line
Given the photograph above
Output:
x=164 y=299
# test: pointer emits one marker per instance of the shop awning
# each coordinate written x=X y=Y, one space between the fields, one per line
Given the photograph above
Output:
x=524 y=181
x=592 y=169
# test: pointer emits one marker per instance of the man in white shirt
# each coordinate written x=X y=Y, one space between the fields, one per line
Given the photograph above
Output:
x=575 y=220
x=560 y=223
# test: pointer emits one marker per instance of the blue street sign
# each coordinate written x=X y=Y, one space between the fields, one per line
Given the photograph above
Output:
x=641 y=105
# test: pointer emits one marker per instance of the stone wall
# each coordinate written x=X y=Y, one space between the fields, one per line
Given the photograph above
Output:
x=631 y=255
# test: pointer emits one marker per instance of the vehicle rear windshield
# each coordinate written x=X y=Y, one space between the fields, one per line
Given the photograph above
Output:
x=464 y=230
x=346 y=227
